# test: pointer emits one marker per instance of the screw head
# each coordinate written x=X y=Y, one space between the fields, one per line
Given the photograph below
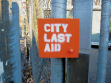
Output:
x=71 y=50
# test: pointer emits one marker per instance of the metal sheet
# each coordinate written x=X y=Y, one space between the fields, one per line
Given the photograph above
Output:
x=77 y=69
x=83 y=11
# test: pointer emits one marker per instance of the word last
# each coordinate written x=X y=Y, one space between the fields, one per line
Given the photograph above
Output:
x=54 y=48
x=58 y=38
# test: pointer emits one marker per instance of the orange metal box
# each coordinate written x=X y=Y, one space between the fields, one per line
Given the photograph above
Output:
x=58 y=38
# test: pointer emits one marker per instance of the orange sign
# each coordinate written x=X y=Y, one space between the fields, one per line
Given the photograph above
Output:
x=58 y=38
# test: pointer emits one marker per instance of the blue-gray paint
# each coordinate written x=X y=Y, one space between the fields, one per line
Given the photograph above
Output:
x=58 y=11
x=16 y=44
x=13 y=56
x=82 y=9
x=104 y=38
